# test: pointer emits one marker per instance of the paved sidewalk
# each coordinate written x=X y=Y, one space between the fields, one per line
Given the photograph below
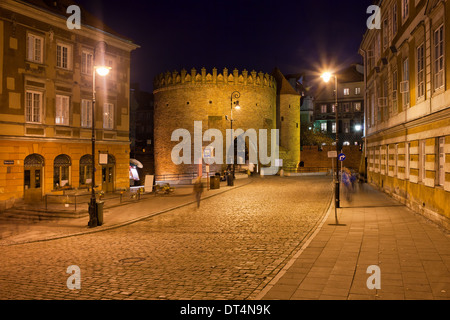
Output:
x=413 y=255
x=15 y=232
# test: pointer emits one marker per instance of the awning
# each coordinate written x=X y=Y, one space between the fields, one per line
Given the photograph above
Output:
x=136 y=163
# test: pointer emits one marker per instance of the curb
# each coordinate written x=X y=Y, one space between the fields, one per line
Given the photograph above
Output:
x=122 y=224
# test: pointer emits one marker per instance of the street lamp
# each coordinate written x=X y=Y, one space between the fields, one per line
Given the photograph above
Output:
x=93 y=214
x=326 y=78
x=234 y=95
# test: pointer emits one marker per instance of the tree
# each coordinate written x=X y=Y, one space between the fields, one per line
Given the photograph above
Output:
x=310 y=136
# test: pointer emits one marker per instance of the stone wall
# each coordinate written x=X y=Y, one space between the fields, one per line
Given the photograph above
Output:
x=312 y=157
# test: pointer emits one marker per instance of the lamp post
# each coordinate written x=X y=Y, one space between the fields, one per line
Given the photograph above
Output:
x=234 y=95
x=326 y=77
x=93 y=218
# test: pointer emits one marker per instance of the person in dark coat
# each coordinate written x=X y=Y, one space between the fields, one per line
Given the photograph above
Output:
x=198 y=190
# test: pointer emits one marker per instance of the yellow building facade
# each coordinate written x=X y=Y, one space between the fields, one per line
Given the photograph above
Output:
x=46 y=91
x=407 y=114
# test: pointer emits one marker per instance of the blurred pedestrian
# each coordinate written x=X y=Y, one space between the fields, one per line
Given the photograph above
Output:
x=346 y=181
x=198 y=190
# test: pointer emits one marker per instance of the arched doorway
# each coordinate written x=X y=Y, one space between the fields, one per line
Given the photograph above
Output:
x=33 y=177
x=108 y=171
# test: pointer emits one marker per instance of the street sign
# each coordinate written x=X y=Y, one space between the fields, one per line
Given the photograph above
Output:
x=207 y=152
x=332 y=154
x=342 y=157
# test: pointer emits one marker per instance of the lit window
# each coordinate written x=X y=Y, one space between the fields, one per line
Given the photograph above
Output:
x=439 y=58
x=405 y=86
x=333 y=127
x=87 y=59
x=35 y=47
x=323 y=108
x=33 y=106
x=357 y=106
x=358 y=90
x=108 y=116
x=62 y=110
x=323 y=126
x=86 y=113
x=420 y=72
x=346 y=91
x=63 y=56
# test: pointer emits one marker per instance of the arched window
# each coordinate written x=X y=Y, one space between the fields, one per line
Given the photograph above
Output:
x=61 y=171
x=86 y=170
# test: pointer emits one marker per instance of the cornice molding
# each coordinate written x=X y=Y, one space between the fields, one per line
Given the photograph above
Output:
x=60 y=22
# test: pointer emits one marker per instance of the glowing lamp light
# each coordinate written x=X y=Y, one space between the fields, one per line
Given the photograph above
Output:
x=358 y=127
x=102 y=70
x=326 y=76
x=237 y=106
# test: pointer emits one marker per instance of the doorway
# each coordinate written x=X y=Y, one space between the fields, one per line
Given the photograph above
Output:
x=33 y=177
x=108 y=174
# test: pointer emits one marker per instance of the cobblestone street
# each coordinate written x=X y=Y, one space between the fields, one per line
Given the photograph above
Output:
x=230 y=248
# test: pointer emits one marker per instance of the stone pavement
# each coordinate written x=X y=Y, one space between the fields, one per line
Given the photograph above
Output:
x=115 y=215
x=413 y=255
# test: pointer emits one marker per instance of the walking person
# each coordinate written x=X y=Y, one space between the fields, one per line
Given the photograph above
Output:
x=346 y=180
x=198 y=190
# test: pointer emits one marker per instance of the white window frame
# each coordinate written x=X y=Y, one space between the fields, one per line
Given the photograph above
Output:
x=64 y=61
x=323 y=126
x=439 y=58
x=420 y=58
x=33 y=112
x=87 y=62
x=346 y=91
x=357 y=90
x=62 y=110
x=86 y=113
x=35 y=48
x=108 y=116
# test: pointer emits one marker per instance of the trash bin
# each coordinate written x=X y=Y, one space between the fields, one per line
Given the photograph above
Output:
x=100 y=212
x=230 y=181
x=215 y=182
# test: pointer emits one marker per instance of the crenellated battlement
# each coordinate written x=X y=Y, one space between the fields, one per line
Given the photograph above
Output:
x=175 y=78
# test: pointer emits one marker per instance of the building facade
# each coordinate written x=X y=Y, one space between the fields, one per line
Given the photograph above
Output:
x=180 y=98
x=407 y=110
x=46 y=80
x=350 y=101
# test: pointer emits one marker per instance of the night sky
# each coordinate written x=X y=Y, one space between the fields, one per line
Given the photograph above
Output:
x=295 y=36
